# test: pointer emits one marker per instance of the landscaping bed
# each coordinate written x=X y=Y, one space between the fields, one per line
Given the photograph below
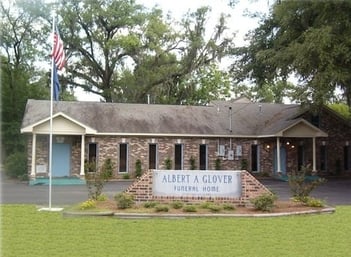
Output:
x=108 y=206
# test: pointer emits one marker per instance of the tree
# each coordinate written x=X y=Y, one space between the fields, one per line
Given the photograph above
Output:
x=305 y=39
x=20 y=33
x=123 y=52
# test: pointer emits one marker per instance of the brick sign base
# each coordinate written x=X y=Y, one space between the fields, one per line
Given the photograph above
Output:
x=142 y=189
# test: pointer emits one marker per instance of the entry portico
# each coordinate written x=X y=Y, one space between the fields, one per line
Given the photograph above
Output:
x=63 y=126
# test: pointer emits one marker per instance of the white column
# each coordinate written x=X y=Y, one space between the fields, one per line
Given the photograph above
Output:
x=314 y=154
x=82 y=155
x=34 y=143
x=278 y=156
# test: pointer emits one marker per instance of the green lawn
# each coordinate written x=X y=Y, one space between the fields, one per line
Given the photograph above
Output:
x=27 y=232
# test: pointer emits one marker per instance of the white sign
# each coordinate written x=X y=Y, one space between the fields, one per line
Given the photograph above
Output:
x=208 y=183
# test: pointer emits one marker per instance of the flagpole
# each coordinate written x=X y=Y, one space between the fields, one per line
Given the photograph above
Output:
x=51 y=114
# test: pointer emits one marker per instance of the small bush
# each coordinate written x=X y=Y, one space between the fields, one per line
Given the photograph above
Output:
x=218 y=164
x=301 y=187
x=138 y=168
x=126 y=176
x=16 y=165
x=214 y=208
x=310 y=201
x=168 y=163
x=96 y=179
x=205 y=205
x=89 y=204
x=150 y=204
x=177 y=205
x=192 y=163
x=228 y=207
x=161 y=208
x=264 y=202
x=189 y=208
x=102 y=198
x=124 y=200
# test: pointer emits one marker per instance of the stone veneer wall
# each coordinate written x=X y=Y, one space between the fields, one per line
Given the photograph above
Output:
x=251 y=188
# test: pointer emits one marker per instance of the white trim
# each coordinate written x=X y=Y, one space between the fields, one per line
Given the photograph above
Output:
x=30 y=128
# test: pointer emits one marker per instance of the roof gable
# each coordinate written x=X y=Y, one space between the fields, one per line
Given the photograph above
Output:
x=61 y=123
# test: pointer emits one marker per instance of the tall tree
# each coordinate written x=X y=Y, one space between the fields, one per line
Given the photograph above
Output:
x=302 y=38
x=123 y=52
x=21 y=31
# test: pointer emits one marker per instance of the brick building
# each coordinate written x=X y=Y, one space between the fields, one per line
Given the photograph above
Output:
x=230 y=135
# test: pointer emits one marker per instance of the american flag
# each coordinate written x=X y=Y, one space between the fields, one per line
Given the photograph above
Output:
x=57 y=52
x=59 y=60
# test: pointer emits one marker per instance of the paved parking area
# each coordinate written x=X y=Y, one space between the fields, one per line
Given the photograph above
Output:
x=334 y=192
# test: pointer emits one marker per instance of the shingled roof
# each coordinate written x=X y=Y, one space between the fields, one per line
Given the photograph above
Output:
x=239 y=119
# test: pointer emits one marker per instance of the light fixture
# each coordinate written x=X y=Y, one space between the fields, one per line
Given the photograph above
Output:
x=347 y=143
x=60 y=139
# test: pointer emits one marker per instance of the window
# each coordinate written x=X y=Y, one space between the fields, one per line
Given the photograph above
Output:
x=315 y=120
x=92 y=157
x=203 y=157
x=178 y=157
x=123 y=157
x=254 y=158
x=323 y=158
x=152 y=156
x=346 y=157
x=92 y=152
x=300 y=156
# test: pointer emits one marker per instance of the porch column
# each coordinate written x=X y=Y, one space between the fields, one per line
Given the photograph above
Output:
x=34 y=143
x=278 y=156
x=314 y=154
x=82 y=155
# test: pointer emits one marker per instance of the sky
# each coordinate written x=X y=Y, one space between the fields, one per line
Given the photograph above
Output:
x=237 y=23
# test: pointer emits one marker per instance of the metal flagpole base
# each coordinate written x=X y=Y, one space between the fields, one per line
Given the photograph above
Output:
x=52 y=209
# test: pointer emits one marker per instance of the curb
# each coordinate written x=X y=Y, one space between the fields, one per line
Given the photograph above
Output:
x=327 y=210
x=87 y=214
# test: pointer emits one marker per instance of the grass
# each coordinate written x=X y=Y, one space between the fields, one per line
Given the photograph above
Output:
x=27 y=232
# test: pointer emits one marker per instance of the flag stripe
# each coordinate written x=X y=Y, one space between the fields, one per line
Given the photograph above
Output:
x=58 y=52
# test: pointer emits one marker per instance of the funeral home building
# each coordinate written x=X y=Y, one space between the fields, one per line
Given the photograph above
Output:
x=265 y=138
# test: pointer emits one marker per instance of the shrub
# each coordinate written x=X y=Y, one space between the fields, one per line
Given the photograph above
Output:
x=313 y=202
x=16 y=165
x=150 y=204
x=138 y=169
x=301 y=187
x=244 y=164
x=102 y=198
x=192 y=163
x=126 y=176
x=168 y=163
x=205 y=205
x=161 y=208
x=310 y=201
x=264 y=202
x=124 y=200
x=189 y=208
x=177 y=205
x=95 y=180
x=89 y=204
x=214 y=208
x=218 y=165
x=228 y=207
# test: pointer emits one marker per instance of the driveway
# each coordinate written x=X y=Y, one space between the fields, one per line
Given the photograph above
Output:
x=334 y=192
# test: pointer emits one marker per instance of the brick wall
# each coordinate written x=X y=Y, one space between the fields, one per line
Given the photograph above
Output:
x=251 y=188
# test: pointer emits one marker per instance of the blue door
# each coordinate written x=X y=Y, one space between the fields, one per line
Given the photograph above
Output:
x=282 y=160
x=61 y=156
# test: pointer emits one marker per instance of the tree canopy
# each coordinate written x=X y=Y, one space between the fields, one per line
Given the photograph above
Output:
x=310 y=40
x=123 y=52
